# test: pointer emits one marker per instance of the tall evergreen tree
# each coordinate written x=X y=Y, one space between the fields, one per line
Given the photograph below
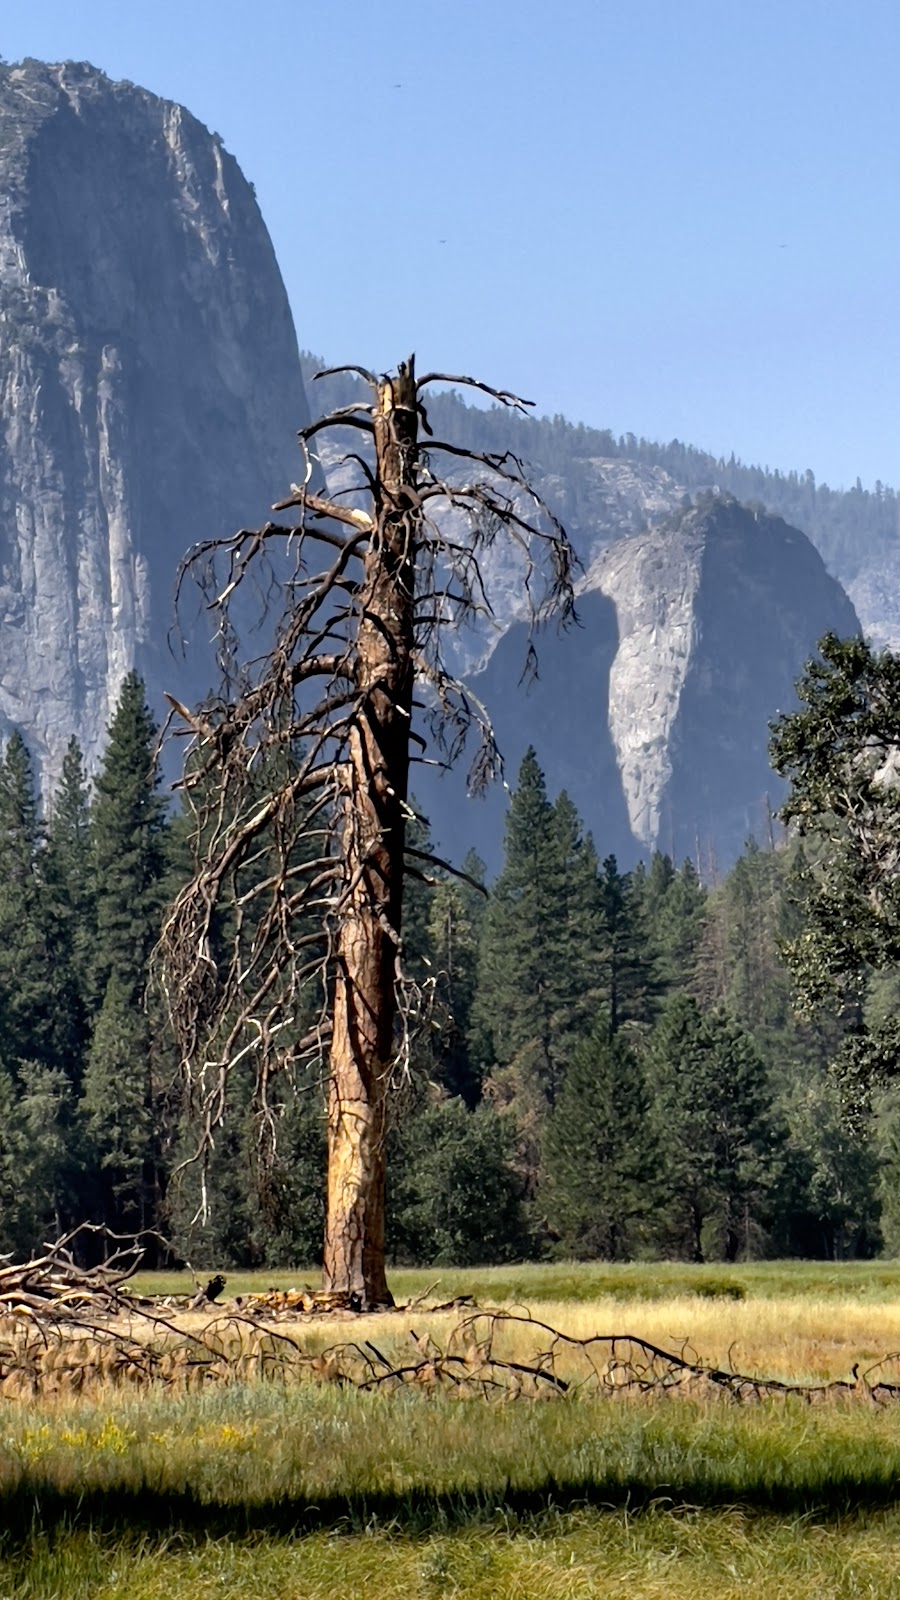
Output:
x=128 y=830
x=35 y=1013
x=717 y=1128
x=579 y=911
x=66 y=872
x=673 y=906
x=455 y=915
x=518 y=1014
x=37 y=1157
x=128 y=858
x=759 y=986
x=117 y=1113
x=600 y=1151
x=540 y=973
x=628 y=976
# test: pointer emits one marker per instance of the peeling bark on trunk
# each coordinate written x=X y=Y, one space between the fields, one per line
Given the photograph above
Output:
x=365 y=1007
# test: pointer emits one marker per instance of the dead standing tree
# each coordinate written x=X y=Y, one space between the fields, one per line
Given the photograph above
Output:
x=286 y=945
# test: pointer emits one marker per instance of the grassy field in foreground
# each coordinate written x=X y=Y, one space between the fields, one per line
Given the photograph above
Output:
x=665 y=1554
x=319 y=1490
x=259 y=1456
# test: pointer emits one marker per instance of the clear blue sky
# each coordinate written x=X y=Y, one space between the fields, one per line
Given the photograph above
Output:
x=675 y=217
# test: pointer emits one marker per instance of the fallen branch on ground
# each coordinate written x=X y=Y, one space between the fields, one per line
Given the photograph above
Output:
x=66 y=1327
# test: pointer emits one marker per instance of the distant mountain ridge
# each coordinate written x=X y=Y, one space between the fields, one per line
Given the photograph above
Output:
x=605 y=486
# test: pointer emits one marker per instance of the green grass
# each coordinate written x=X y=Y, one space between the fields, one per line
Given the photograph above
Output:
x=319 y=1491
x=263 y=1457
x=664 y=1554
x=583 y=1282
x=323 y=1492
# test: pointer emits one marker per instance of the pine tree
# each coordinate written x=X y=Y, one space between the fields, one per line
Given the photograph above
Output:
x=453 y=925
x=66 y=872
x=628 y=978
x=128 y=832
x=717 y=1127
x=117 y=1112
x=600 y=1151
x=759 y=986
x=579 y=914
x=35 y=1009
x=517 y=1015
x=540 y=966
x=128 y=846
x=673 y=907
x=37 y=1157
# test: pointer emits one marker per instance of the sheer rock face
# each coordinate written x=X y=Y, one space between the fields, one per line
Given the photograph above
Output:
x=717 y=613
x=150 y=390
x=654 y=713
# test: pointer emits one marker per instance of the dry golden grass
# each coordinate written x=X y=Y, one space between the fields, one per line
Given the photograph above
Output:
x=788 y=1336
x=795 y=1339
x=798 y=1340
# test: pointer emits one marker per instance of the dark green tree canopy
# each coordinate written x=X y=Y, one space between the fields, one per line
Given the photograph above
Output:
x=601 y=1151
x=717 y=1132
x=840 y=753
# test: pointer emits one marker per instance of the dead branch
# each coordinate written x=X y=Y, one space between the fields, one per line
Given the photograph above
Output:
x=361 y=372
x=321 y=507
x=55 y=1279
x=502 y=396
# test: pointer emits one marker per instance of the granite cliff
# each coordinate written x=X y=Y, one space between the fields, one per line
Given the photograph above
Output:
x=653 y=712
x=149 y=388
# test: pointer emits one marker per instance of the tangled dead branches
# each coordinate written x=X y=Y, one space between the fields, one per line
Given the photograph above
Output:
x=64 y=1331
x=55 y=1286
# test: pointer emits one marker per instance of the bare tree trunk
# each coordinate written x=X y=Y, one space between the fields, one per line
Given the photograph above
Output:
x=365 y=1005
x=322 y=929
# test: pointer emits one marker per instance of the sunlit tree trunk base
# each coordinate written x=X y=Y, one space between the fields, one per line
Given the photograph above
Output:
x=354 y=1229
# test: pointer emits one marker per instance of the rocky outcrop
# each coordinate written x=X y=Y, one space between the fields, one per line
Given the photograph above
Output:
x=149 y=389
x=875 y=592
x=724 y=655
x=653 y=713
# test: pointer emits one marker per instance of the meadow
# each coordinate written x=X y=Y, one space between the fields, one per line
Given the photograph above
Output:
x=319 y=1489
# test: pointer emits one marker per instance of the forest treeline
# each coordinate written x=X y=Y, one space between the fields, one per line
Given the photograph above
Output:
x=605 y=1064
x=849 y=527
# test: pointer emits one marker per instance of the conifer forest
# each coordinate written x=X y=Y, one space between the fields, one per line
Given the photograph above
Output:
x=608 y=1064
